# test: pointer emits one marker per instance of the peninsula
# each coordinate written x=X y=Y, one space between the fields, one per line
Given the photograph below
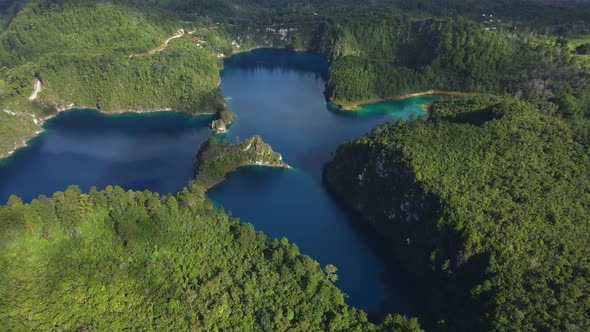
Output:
x=216 y=159
x=355 y=106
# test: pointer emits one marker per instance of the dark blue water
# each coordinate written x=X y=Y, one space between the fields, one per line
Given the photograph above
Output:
x=152 y=151
x=274 y=93
x=279 y=95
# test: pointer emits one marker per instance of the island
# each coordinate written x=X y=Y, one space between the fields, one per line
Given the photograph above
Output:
x=223 y=118
x=216 y=159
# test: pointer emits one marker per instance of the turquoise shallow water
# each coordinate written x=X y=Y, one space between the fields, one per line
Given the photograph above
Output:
x=276 y=94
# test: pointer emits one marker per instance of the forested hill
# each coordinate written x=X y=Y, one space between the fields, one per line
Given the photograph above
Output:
x=113 y=260
x=85 y=52
x=385 y=59
x=81 y=51
x=488 y=200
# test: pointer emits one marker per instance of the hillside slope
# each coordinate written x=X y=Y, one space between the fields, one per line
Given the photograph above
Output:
x=489 y=202
x=114 y=260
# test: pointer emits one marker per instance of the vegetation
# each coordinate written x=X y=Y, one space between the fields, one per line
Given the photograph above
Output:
x=12 y=127
x=183 y=78
x=82 y=51
x=492 y=195
x=113 y=260
x=423 y=55
x=353 y=80
x=583 y=49
x=225 y=117
x=452 y=55
x=216 y=159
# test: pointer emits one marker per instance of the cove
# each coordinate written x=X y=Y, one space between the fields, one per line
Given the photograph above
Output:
x=277 y=94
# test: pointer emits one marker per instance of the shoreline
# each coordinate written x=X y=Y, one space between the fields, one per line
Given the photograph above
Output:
x=238 y=51
x=286 y=166
x=215 y=160
x=25 y=141
x=351 y=107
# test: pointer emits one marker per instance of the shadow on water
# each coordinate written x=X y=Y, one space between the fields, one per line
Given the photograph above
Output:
x=413 y=295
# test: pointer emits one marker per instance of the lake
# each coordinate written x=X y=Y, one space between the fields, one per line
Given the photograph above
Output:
x=152 y=151
x=277 y=94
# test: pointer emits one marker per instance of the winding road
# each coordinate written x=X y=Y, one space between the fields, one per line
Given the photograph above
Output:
x=179 y=33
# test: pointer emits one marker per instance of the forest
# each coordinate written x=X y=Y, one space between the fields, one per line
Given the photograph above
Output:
x=81 y=51
x=114 y=260
x=451 y=55
x=488 y=201
x=85 y=52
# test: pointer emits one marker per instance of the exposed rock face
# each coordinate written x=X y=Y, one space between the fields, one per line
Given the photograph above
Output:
x=379 y=188
x=216 y=159
x=224 y=118
x=260 y=153
x=218 y=126
x=377 y=184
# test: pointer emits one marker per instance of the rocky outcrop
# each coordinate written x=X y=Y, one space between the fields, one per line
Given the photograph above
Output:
x=218 y=126
x=223 y=119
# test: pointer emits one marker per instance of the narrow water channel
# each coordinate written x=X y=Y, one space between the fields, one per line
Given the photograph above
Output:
x=279 y=95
